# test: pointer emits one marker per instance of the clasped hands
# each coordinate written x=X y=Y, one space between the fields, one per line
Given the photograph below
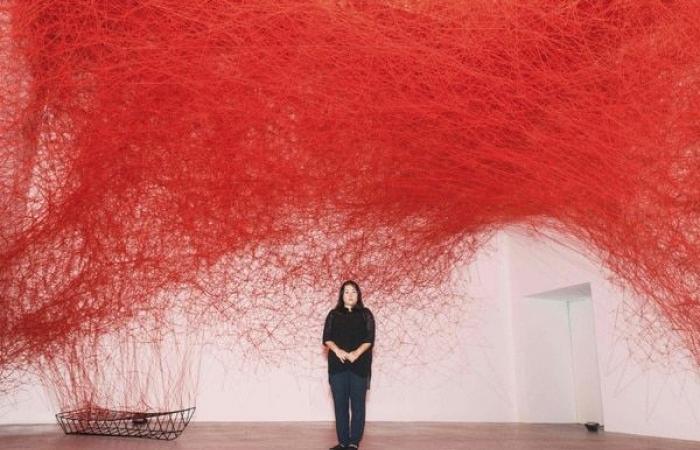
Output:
x=347 y=356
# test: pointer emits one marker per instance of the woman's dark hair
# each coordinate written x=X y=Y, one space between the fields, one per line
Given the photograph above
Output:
x=341 y=305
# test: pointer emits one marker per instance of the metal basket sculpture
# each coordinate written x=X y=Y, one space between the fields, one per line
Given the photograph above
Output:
x=107 y=422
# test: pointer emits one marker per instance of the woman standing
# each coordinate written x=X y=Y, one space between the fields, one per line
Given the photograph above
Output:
x=349 y=335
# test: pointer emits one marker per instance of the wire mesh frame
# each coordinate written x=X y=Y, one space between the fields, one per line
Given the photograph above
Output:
x=107 y=422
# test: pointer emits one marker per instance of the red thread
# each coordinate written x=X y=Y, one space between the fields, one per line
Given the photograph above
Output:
x=232 y=150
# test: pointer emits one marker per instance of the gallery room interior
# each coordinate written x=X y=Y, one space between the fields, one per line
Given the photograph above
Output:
x=375 y=224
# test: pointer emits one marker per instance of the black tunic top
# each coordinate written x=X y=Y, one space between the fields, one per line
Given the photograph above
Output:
x=350 y=329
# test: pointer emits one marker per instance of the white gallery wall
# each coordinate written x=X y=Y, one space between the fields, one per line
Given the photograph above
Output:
x=542 y=336
x=640 y=393
x=465 y=377
x=463 y=374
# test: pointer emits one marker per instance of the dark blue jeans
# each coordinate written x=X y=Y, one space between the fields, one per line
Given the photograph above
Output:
x=349 y=392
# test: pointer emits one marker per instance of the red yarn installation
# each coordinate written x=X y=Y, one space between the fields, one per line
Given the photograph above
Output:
x=223 y=153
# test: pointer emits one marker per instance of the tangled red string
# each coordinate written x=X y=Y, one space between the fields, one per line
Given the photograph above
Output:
x=214 y=156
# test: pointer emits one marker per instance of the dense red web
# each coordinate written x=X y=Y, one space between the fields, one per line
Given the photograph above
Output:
x=209 y=156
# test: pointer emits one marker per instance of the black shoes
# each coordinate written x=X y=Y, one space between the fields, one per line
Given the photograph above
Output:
x=343 y=447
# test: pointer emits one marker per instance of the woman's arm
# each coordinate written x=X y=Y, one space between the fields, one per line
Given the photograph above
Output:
x=353 y=355
x=369 y=336
x=339 y=352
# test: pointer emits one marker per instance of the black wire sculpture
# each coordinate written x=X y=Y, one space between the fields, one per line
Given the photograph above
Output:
x=107 y=422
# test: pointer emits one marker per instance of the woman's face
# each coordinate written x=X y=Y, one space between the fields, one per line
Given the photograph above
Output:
x=349 y=295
